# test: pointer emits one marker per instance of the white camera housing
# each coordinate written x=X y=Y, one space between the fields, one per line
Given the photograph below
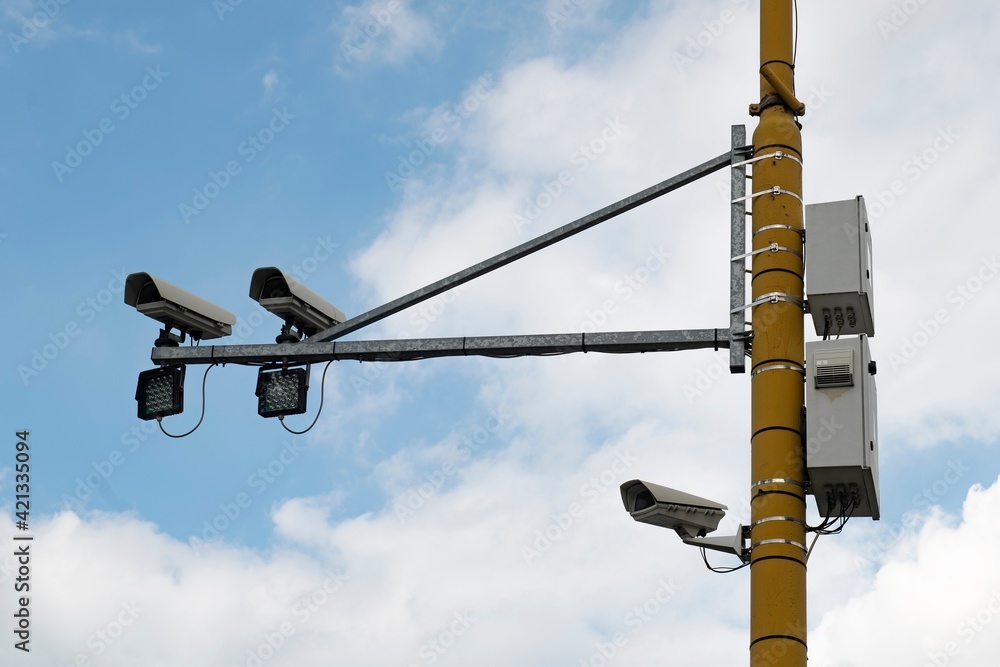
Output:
x=292 y=301
x=177 y=308
x=687 y=514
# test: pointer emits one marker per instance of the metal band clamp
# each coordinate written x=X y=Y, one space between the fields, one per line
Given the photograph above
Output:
x=777 y=367
x=777 y=518
x=778 y=541
x=778 y=480
x=774 y=247
x=801 y=232
x=777 y=155
x=776 y=190
x=771 y=297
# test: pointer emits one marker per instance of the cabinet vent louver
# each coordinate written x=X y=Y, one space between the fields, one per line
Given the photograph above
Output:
x=834 y=368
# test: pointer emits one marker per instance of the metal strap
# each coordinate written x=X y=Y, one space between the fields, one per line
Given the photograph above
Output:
x=778 y=541
x=776 y=190
x=797 y=230
x=778 y=480
x=777 y=367
x=777 y=518
x=777 y=155
x=774 y=247
x=772 y=297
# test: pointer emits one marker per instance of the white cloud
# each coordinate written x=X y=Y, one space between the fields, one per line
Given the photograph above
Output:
x=36 y=23
x=515 y=561
x=935 y=600
x=521 y=551
x=564 y=15
x=673 y=113
x=269 y=81
x=379 y=32
x=677 y=111
x=111 y=589
x=133 y=43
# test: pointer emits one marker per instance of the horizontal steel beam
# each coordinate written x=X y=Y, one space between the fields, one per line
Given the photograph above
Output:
x=631 y=342
x=525 y=249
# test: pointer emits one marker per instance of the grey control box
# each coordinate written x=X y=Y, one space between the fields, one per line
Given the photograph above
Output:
x=841 y=427
x=839 y=268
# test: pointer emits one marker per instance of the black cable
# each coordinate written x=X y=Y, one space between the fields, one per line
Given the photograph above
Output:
x=846 y=512
x=719 y=570
x=159 y=420
x=826 y=526
x=830 y=521
x=322 y=392
x=795 y=47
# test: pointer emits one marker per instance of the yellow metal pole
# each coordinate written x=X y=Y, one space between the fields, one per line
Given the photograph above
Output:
x=778 y=568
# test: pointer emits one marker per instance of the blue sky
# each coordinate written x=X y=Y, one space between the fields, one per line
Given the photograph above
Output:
x=200 y=140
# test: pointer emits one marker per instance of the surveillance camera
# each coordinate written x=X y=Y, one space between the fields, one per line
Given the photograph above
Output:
x=177 y=308
x=293 y=302
x=689 y=515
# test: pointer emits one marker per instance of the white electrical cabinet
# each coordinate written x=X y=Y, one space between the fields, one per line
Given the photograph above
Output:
x=841 y=427
x=839 y=268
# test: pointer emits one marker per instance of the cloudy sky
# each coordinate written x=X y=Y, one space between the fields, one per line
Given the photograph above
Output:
x=450 y=511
